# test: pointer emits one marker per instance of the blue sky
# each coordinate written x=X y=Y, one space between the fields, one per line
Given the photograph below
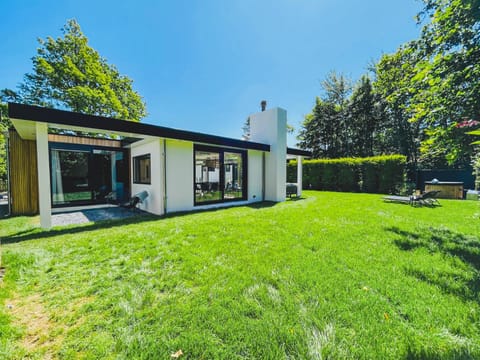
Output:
x=205 y=65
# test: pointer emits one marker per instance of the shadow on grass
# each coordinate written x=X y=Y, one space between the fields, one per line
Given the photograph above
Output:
x=464 y=283
x=422 y=354
x=296 y=198
x=257 y=205
x=398 y=203
x=38 y=233
x=418 y=204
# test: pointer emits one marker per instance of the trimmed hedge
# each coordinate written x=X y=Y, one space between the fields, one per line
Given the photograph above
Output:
x=379 y=174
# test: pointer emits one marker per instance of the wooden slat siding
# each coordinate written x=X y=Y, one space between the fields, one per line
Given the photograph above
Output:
x=447 y=191
x=84 y=140
x=23 y=175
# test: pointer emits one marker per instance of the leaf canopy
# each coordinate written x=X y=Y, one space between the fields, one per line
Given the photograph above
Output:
x=68 y=73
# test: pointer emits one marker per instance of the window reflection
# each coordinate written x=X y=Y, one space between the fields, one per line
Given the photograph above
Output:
x=207 y=176
x=219 y=174
x=86 y=177
x=233 y=176
x=141 y=169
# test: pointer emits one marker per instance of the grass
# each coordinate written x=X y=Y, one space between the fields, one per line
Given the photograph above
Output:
x=333 y=275
x=73 y=196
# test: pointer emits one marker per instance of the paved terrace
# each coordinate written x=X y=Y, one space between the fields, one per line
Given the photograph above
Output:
x=93 y=215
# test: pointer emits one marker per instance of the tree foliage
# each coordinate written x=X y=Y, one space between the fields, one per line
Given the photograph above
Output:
x=392 y=76
x=437 y=79
x=68 y=73
x=422 y=101
x=325 y=131
x=320 y=132
x=364 y=113
x=4 y=125
x=345 y=121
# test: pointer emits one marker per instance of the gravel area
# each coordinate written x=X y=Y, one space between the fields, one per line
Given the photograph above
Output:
x=94 y=215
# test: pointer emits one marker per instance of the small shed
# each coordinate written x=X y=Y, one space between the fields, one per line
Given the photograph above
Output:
x=448 y=189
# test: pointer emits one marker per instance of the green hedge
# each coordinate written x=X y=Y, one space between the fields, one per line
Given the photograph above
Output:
x=378 y=174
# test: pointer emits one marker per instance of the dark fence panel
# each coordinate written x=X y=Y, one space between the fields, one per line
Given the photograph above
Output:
x=464 y=175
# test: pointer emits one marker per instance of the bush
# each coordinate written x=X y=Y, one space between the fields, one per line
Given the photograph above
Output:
x=476 y=171
x=378 y=174
x=370 y=175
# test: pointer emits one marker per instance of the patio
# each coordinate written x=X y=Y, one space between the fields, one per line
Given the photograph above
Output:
x=81 y=216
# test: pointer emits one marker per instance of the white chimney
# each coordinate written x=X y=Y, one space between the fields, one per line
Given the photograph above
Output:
x=270 y=127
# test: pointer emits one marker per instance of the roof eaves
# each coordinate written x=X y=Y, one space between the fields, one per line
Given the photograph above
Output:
x=298 y=152
x=68 y=118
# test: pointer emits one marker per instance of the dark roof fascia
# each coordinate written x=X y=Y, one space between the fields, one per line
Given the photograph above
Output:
x=68 y=118
x=298 y=152
x=129 y=141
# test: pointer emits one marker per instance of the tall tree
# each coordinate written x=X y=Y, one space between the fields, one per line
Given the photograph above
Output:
x=68 y=73
x=320 y=132
x=450 y=49
x=326 y=131
x=363 y=118
x=443 y=86
x=396 y=134
x=337 y=89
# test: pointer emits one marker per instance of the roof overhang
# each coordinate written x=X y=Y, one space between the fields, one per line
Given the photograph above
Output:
x=24 y=117
x=298 y=152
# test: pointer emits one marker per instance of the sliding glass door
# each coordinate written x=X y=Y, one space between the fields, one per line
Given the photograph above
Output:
x=233 y=175
x=207 y=176
x=219 y=175
x=70 y=180
x=87 y=176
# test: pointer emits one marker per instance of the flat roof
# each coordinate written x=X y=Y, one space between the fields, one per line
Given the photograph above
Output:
x=298 y=152
x=93 y=122
x=24 y=117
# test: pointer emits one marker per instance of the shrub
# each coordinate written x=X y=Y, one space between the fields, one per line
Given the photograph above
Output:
x=370 y=175
x=378 y=174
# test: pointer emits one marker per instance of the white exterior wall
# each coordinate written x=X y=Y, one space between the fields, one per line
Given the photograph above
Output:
x=299 y=175
x=43 y=171
x=154 y=202
x=270 y=127
x=180 y=193
x=179 y=156
x=255 y=173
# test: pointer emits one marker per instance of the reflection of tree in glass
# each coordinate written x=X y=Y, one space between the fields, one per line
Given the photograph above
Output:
x=74 y=164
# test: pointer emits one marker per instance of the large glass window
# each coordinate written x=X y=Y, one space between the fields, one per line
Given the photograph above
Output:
x=141 y=169
x=219 y=175
x=87 y=176
x=233 y=170
x=70 y=180
x=207 y=176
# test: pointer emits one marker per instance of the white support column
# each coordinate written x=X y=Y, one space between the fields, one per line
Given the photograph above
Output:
x=43 y=172
x=270 y=127
x=299 y=175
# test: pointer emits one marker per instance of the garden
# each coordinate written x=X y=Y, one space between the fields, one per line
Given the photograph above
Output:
x=329 y=275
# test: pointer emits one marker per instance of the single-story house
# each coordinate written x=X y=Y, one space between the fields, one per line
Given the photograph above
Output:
x=180 y=170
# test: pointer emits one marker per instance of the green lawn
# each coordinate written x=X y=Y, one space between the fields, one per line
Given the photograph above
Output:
x=333 y=275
